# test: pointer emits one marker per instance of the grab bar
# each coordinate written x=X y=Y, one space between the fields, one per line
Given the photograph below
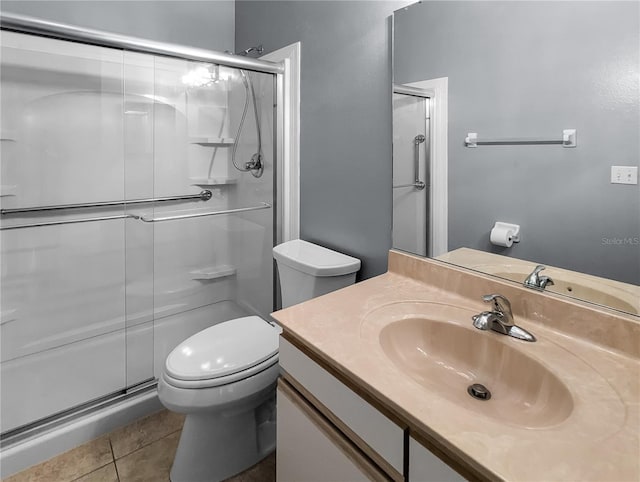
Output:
x=417 y=183
x=67 y=221
x=202 y=196
x=417 y=140
x=146 y=219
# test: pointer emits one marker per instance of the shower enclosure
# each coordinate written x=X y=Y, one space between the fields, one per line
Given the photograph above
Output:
x=138 y=207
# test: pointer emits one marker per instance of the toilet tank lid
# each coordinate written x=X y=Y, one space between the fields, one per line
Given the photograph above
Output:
x=314 y=260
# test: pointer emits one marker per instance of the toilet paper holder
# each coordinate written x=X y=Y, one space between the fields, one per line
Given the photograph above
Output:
x=513 y=228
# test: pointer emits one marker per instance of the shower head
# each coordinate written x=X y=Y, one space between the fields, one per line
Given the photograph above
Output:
x=419 y=139
x=258 y=49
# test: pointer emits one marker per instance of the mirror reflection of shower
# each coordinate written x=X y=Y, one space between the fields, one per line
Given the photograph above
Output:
x=411 y=174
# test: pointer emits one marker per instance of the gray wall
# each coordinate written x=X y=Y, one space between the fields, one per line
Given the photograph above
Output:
x=345 y=116
x=206 y=24
x=531 y=69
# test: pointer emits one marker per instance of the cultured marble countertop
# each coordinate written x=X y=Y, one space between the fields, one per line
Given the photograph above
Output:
x=593 y=352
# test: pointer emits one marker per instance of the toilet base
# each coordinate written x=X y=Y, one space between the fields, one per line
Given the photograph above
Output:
x=216 y=446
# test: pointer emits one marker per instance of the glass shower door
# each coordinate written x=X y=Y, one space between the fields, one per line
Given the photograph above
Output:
x=94 y=296
x=61 y=294
x=212 y=259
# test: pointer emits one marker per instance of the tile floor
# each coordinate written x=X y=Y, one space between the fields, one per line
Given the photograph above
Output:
x=140 y=452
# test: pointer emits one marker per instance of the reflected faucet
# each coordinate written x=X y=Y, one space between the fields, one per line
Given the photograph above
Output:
x=537 y=282
x=500 y=319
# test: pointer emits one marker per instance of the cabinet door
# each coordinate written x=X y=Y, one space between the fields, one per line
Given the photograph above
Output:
x=426 y=467
x=379 y=437
x=310 y=449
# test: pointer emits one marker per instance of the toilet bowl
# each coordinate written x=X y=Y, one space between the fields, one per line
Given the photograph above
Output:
x=223 y=378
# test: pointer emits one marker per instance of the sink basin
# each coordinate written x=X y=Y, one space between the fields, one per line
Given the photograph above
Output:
x=446 y=358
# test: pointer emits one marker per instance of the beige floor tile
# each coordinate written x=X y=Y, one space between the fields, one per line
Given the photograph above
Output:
x=265 y=471
x=150 y=463
x=145 y=431
x=69 y=465
x=104 y=474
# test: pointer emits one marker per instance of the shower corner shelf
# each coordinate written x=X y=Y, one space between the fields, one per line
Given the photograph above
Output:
x=212 y=141
x=213 y=272
x=213 y=181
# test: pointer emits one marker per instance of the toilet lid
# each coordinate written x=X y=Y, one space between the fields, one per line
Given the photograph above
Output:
x=223 y=349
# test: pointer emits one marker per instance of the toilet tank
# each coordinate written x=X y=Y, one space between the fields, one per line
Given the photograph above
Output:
x=307 y=270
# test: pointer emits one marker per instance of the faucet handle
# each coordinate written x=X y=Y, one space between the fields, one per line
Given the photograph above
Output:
x=500 y=303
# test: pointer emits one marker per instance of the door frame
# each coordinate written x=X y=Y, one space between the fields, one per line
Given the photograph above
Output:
x=289 y=141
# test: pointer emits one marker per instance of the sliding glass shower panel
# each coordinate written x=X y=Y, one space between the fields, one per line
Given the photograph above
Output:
x=138 y=118
x=252 y=233
x=202 y=264
x=62 y=297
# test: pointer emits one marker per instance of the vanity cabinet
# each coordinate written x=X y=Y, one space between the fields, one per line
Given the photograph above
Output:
x=327 y=431
x=310 y=449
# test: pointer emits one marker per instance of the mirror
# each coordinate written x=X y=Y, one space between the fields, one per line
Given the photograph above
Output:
x=551 y=91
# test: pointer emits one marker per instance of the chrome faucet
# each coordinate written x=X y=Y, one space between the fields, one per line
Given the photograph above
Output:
x=500 y=319
x=537 y=282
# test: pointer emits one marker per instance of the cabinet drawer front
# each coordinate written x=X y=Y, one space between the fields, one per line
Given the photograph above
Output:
x=375 y=429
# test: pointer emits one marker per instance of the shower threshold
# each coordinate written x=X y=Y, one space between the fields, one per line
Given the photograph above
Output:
x=38 y=441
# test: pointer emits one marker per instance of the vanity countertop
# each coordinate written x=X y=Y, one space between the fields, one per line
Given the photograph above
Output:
x=593 y=352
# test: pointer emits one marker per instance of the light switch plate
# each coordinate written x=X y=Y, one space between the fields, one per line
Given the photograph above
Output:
x=624 y=175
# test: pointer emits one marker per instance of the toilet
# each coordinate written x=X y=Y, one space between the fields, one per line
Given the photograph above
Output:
x=224 y=377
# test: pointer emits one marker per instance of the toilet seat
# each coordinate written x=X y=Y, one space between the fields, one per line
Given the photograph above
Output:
x=222 y=354
x=219 y=381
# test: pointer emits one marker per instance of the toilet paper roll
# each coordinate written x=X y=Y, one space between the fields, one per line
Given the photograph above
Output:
x=502 y=236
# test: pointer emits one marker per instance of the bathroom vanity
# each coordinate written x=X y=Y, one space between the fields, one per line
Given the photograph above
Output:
x=376 y=376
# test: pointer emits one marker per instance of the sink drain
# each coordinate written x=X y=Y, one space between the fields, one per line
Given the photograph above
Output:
x=479 y=391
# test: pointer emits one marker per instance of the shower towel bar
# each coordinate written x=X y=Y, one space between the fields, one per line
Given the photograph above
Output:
x=203 y=196
x=568 y=140
x=198 y=215
x=142 y=218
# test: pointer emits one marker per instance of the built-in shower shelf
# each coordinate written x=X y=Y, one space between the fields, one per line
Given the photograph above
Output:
x=213 y=272
x=212 y=141
x=213 y=181
x=8 y=190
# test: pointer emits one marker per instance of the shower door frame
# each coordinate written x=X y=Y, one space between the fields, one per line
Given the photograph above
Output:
x=286 y=84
